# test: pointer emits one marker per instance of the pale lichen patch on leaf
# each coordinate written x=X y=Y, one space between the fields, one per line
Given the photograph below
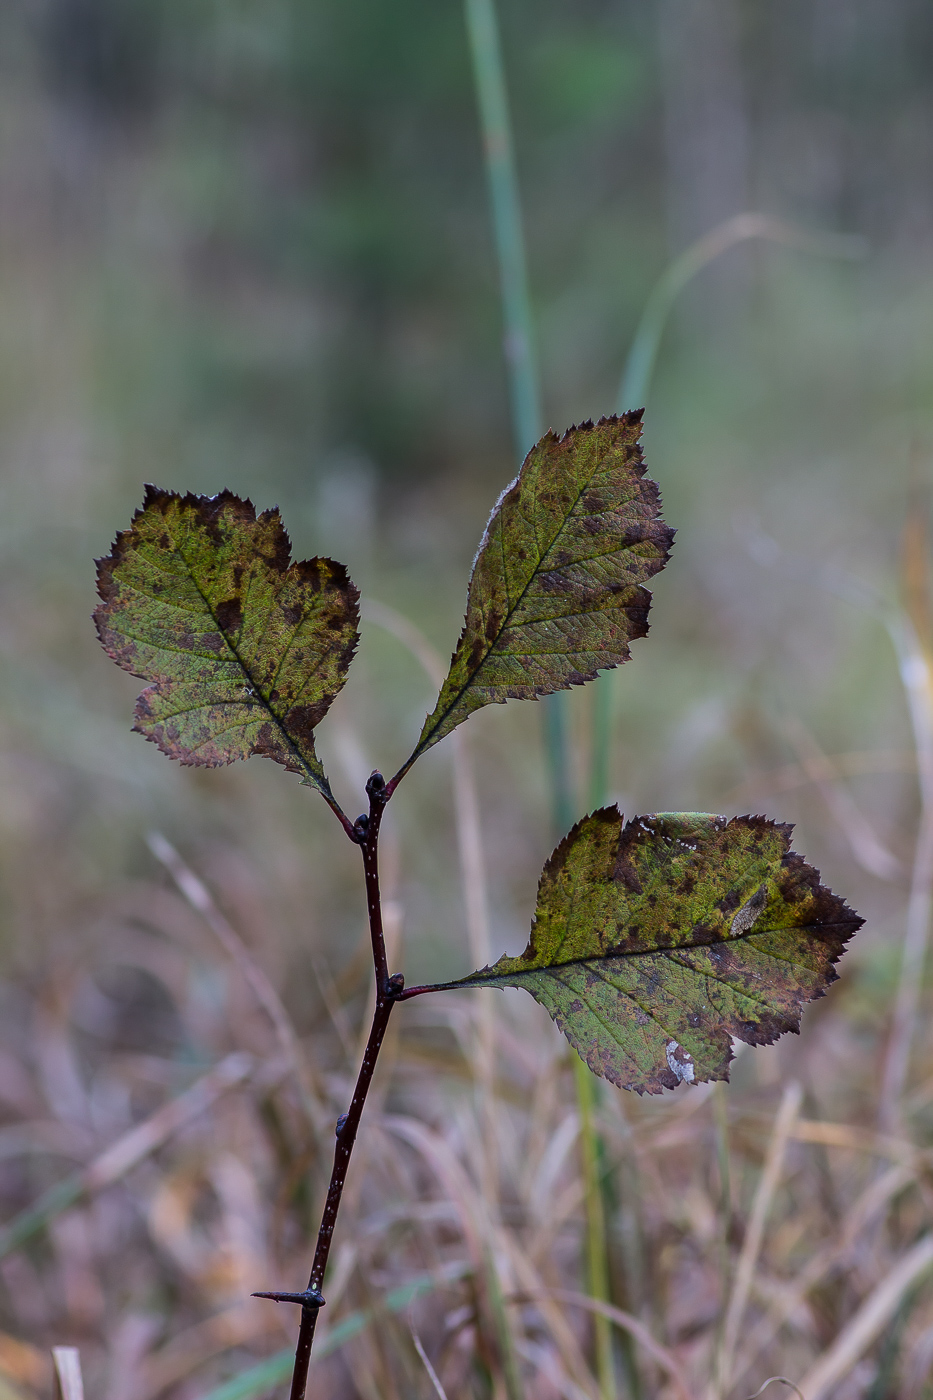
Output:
x=680 y=1062
x=746 y=916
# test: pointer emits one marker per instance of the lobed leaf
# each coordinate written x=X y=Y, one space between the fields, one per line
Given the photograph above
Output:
x=557 y=591
x=245 y=649
x=654 y=943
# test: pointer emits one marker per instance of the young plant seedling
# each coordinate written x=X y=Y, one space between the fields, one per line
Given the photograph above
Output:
x=655 y=941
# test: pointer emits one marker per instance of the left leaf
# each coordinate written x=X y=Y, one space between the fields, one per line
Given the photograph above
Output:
x=245 y=649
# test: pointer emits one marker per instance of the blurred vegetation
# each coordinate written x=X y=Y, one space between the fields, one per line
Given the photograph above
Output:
x=249 y=246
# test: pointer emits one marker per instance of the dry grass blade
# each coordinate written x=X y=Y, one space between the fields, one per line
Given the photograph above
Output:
x=772 y=1380
x=485 y=1242
x=855 y=1139
x=434 y=1378
x=408 y=634
x=558 y=1328
x=636 y=1328
x=128 y=1150
x=471 y=1210
x=183 y=1354
x=69 y=1384
x=199 y=897
x=917 y=678
x=141 y=1141
x=858 y=764
x=783 y=1124
x=548 y=1366
x=868 y=849
x=863 y=1213
x=919 y=1366
x=878 y=1309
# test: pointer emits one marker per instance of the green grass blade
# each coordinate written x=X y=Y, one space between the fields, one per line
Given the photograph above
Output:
x=258 y=1379
x=499 y=153
x=35 y=1217
x=521 y=361
x=597 y=1258
x=635 y=383
x=639 y=366
x=524 y=393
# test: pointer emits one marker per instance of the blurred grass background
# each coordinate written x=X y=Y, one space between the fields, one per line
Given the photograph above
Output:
x=249 y=246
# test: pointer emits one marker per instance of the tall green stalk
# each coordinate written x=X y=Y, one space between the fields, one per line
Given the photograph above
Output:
x=597 y=1256
x=524 y=394
x=527 y=426
x=518 y=337
x=499 y=154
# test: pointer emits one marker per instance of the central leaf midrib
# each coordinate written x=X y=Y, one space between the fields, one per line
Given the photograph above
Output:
x=279 y=724
x=666 y=948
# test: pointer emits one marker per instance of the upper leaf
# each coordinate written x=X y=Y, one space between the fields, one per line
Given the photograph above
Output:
x=655 y=942
x=245 y=650
x=556 y=593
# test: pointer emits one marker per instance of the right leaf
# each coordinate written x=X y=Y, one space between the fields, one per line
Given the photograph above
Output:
x=557 y=589
x=657 y=941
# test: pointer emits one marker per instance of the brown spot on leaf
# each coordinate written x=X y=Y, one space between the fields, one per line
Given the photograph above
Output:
x=624 y=871
x=310 y=571
x=230 y=614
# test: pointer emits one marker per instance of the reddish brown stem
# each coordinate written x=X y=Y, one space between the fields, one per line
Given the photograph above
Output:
x=346 y=1136
x=365 y=832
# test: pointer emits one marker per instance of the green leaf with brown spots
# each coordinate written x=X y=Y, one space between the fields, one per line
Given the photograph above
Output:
x=245 y=649
x=654 y=943
x=557 y=592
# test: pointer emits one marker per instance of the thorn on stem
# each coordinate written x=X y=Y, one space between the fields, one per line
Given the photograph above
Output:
x=310 y=1298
